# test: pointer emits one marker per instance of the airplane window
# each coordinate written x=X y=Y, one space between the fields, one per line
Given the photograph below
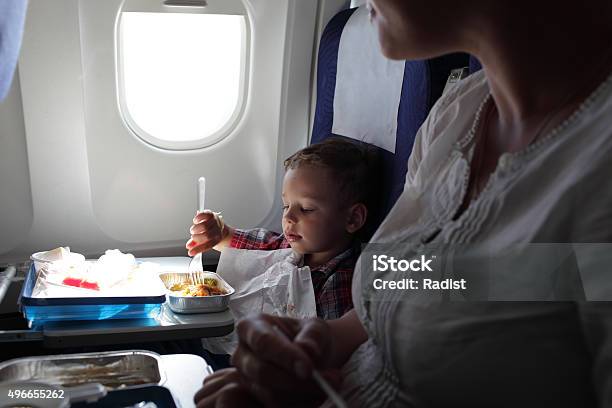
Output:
x=181 y=76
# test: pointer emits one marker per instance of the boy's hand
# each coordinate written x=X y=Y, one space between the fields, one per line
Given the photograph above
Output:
x=207 y=231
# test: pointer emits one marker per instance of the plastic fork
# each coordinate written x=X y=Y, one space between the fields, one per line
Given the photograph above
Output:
x=196 y=262
x=195 y=277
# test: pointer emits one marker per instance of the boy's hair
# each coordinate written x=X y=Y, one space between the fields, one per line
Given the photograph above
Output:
x=352 y=164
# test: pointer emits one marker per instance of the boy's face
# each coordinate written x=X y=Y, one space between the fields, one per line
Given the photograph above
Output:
x=314 y=217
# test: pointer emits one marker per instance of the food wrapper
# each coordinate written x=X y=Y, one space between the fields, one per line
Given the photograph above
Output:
x=272 y=282
x=61 y=255
x=115 y=274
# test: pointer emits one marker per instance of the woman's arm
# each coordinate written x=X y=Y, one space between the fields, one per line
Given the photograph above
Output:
x=347 y=333
x=276 y=356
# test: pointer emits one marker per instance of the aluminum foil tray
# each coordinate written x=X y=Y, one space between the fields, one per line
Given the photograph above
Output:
x=197 y=304
x=114 y=370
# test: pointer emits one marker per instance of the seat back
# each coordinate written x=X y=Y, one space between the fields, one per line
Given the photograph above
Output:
x=474 y=65
x=364 y=96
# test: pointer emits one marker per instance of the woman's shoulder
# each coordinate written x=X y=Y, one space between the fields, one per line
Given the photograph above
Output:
x=473 y=86
x=457 y=107
x=448 y=121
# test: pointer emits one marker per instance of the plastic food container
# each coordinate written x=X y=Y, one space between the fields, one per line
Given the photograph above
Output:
x=40 y=310
x=115 y=369
x=44 y=257
x=195 y=304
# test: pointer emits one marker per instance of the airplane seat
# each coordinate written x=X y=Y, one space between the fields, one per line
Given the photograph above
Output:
x=366 y=97
x=474 y=65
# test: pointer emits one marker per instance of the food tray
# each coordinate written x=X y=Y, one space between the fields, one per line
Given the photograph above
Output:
x=115 y=369
x=199 y=304
x=40 y=310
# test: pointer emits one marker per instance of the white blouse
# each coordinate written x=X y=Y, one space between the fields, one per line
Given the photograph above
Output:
x=484 y=354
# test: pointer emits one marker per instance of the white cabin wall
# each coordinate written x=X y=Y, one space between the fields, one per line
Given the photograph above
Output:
x=142 y=182
x=298 y=77
x=15 y=193
x=50 y=72
x=294 y=124
x=94 y=185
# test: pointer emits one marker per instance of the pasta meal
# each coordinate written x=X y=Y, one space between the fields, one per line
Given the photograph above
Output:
x=210 y=287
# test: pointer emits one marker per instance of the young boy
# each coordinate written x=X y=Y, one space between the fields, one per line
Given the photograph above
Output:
x=327 y=191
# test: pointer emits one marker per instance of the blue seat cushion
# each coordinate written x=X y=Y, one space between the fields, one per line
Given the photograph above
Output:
x=474 y=65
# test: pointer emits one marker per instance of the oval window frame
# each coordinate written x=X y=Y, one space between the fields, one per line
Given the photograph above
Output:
x=226 y=7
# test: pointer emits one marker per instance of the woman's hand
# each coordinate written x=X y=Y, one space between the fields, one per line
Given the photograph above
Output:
x=273 y=364
x=224 y=388
x=207 y=231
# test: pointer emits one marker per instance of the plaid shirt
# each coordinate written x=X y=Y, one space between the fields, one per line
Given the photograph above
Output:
x=331 y=281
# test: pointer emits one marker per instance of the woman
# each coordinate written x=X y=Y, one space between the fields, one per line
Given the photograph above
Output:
x=519 y=153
